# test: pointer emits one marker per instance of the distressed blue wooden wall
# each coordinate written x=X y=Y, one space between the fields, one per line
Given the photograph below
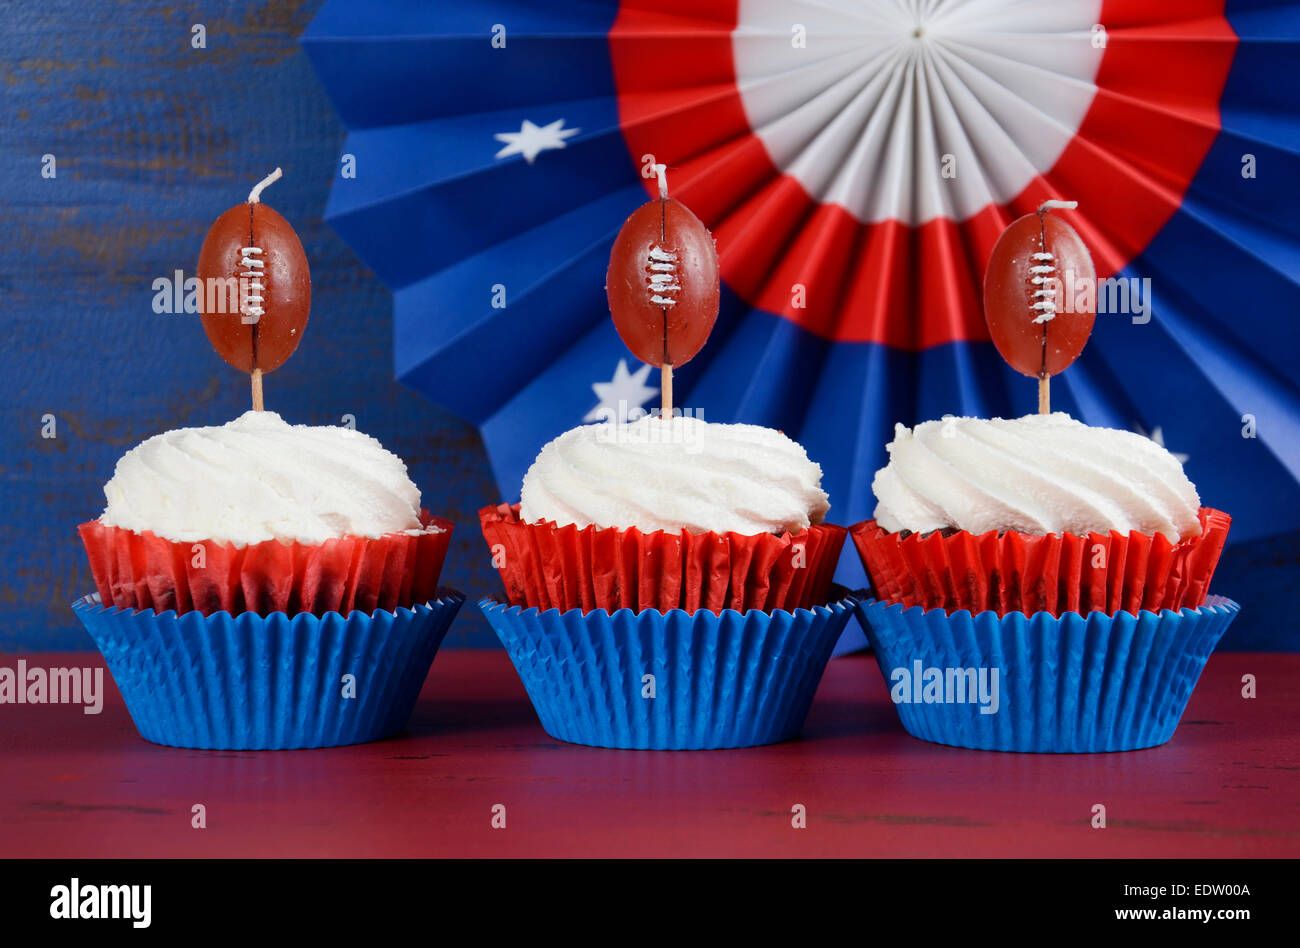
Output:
x=152 y=139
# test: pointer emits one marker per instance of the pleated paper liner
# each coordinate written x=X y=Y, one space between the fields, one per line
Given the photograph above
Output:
x=274 y=682
x=144 y=571
x=720 y=679
x=1065 y=684
x=550 y=567
x=1055 y=573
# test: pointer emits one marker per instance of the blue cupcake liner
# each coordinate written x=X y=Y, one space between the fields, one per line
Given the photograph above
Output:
x=1073 y=684
x=252 y=682
x=728 y=679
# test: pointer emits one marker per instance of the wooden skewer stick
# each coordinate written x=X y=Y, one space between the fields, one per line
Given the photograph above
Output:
x=257 y=389
x=1044 y=395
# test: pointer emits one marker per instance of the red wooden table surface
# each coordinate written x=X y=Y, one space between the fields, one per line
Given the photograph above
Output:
x=1228 y=784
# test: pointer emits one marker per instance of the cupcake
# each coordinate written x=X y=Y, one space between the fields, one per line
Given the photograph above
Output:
x=667 y=514
x=668 y=584
x=1041 y=585
x=1037 y=514
x=1058 y=569
x=667 y=580
x=266 y=585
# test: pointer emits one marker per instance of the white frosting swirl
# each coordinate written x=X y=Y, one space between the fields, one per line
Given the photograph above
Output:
x=1038 y=474
x=259 y=478
x=680 y=474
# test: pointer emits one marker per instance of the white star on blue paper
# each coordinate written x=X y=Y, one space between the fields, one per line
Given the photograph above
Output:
x=531 y=140
x=626 y=387
x=1158 y=436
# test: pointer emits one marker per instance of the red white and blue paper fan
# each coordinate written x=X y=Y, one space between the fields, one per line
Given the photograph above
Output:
x=856 y=161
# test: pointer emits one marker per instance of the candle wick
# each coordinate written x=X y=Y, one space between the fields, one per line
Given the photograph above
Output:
x=255 y=195
x=1063 y=205
x=660 y=171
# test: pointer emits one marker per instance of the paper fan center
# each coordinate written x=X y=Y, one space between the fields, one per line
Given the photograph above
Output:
x=916 y=109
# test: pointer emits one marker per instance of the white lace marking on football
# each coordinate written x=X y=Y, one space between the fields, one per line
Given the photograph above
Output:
x=663 y=276
x=1043 y=278
x=251 y=301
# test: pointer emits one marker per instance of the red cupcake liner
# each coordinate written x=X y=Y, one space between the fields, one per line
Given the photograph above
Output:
x=144 y=571
x=550 y=567
x=1056 y=573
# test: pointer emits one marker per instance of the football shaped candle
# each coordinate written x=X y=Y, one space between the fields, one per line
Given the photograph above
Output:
x=256 y=287
x=662 y=285
x=1037 y=320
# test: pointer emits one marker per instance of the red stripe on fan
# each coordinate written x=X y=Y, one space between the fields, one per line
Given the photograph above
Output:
x=1151 y=124
x=1139 y=145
